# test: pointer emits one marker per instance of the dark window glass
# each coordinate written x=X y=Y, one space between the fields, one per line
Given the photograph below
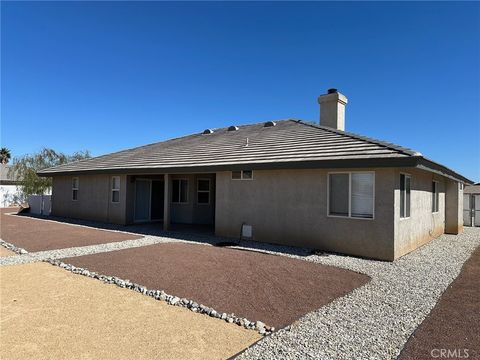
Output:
x=179 y=190
x=203 y=197
x=183 y=191
x=339 y=189
x=247 y=174
x=402 y=195
x=115 y=196
x=407 y=196
x=203 y=185
x=435 y=196
x=74 y=194
x=236 y=175
x=405 y=183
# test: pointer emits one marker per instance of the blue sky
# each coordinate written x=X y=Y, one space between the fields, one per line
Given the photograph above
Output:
x=112 y=75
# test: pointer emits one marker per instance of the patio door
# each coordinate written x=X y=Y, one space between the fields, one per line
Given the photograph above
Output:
x=142 y=200
x=157 y=198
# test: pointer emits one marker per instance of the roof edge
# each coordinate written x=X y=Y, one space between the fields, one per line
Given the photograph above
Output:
x=413 y=161
x=388 y=145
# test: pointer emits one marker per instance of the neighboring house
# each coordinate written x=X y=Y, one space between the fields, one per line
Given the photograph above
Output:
x=471 y=205
x=287 y=182
x=10 y=193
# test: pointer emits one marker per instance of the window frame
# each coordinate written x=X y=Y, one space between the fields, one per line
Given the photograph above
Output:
x=402 y=217
x=204 y=191
x=241 y=175
x=349 y=173
x=75 y=198
x=112 y=189
x=180 y=192
x=435 y=197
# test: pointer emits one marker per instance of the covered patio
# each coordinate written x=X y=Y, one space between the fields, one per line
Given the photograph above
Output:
x=176 y=202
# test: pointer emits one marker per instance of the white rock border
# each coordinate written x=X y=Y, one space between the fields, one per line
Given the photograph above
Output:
x=13 y=248
x=169 y=299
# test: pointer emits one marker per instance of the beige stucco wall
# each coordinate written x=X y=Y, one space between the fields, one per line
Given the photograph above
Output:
x=94 y=198
x=290 y=207
x=422 y=225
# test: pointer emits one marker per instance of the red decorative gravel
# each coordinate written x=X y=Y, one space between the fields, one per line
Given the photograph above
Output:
x=38 y=235
x=452 y=329
x=274 y=289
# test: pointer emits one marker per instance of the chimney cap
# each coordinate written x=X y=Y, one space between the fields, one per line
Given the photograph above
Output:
x=332 y=91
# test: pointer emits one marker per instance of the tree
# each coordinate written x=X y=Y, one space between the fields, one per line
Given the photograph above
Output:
x=25 y=168
x=4 y=155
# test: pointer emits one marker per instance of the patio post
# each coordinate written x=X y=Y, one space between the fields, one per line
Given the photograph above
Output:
x=166 y=203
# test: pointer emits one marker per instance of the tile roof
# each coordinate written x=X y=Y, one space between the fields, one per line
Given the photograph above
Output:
x=290 y=142
x=473 y=189
x=7 y=177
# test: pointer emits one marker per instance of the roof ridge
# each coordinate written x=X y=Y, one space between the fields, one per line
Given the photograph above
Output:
x=386 y=144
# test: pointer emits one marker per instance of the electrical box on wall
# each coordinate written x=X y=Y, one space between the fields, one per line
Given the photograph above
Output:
x=246 y=231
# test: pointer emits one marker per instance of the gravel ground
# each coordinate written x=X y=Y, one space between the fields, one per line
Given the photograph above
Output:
x=81 y=250
x=376 y=320
x=372 y=322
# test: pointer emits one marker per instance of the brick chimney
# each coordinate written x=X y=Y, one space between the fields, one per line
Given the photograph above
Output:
x=332 y=109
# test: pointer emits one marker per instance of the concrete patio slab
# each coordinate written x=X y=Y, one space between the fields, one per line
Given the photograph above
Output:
x=49 y=313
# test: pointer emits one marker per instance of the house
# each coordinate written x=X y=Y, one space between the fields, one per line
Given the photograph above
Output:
x=10 y=193
x=287 y=182
x=471 y=205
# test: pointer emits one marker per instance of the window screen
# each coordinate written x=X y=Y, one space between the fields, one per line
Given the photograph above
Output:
x=115 y=188
x=75 y=188
x=338 y=200
x=179 y=190
x=435 y=196
x=203 y=191
x=405 y=182
x=362 y=195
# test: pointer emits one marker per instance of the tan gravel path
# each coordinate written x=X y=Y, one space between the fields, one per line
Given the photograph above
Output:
x=5 y=252
x=49 y=313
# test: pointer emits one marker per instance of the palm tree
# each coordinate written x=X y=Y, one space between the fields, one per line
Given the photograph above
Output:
x=4 y=155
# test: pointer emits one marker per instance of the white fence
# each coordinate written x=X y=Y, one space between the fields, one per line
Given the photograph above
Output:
x=40 y=204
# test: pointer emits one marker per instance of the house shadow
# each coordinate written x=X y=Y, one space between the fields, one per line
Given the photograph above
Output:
x=204 y=234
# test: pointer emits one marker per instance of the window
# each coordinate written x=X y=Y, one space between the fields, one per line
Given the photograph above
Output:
x=435 y=196
x=115 y=189
x=405 y=183
x=242 y=175
x=75 y=188
x=180 y=191
x=351 y=194
x=203 y=191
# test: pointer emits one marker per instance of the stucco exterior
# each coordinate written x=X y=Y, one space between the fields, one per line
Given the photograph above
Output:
x=290 y=207
x=285 y=207
x=94 y=199
x=423 y=225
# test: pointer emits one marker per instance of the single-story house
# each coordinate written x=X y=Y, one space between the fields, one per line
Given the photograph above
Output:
x=286 y=182
x=471 y=205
